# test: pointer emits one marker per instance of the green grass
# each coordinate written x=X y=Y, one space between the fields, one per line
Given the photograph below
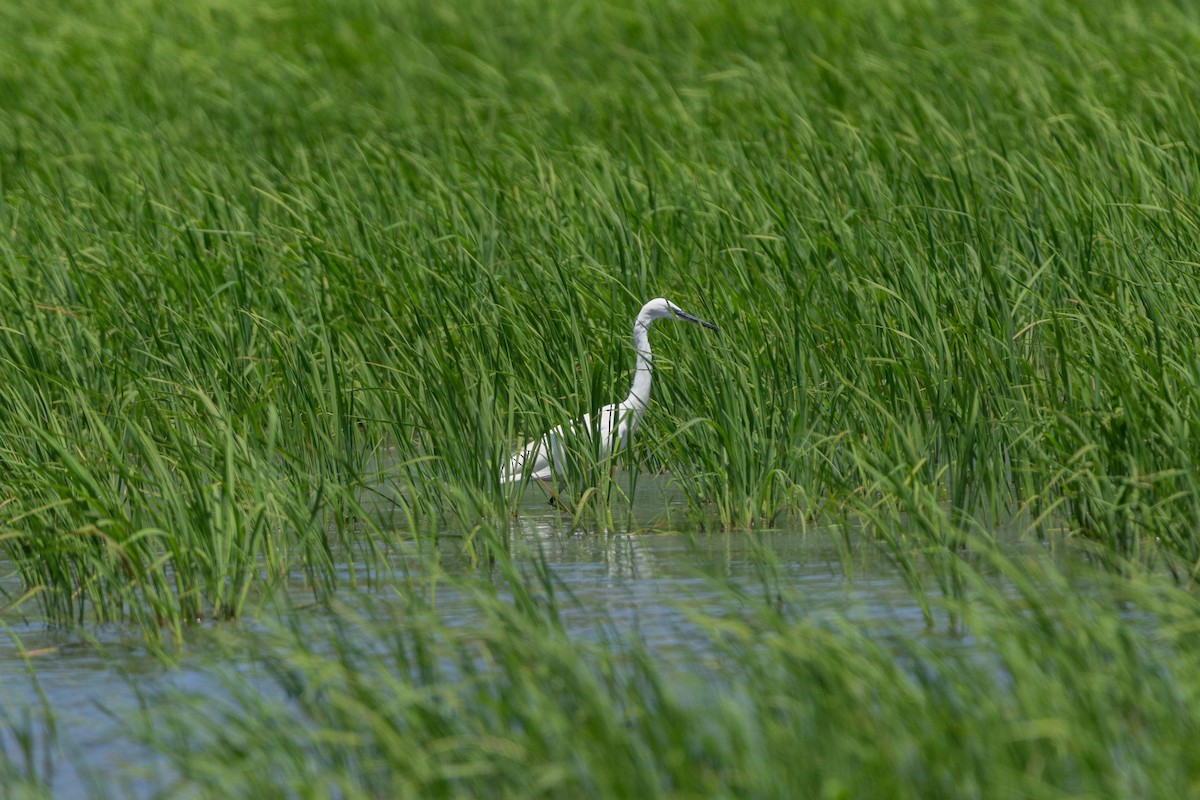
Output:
x=253 y=250
x=1052 y=693
x=265 y=263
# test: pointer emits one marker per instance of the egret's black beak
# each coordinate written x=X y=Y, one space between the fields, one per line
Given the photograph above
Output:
x=686 y=317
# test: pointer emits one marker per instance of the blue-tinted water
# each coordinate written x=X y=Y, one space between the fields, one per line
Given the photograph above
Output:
x=639 y=584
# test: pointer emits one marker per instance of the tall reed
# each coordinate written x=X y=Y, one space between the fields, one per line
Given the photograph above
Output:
x=252 y=258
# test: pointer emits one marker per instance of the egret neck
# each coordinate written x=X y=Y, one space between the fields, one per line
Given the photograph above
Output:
x=544 y=458
x=639 y=390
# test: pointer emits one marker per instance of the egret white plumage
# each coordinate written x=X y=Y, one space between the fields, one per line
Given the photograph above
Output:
x=545 y=458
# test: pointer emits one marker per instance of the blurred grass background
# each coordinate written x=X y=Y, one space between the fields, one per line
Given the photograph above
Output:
x=261 y=262
x=252 y=246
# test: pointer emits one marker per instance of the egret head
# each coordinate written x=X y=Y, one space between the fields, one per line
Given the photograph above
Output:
x=661 y=308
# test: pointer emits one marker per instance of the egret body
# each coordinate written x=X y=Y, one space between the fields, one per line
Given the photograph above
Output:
x=545 y=458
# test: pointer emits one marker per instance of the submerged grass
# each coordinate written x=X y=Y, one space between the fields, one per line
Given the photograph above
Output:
x=26 y=757
x=1052 y=693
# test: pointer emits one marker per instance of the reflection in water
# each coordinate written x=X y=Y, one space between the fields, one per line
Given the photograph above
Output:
x=640 y=584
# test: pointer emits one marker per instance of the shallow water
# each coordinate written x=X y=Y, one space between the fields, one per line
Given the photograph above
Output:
x=639 y=584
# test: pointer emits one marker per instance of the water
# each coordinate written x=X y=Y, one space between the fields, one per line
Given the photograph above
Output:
x=629 y=585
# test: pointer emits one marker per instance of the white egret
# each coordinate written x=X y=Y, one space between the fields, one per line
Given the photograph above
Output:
x=545 y=458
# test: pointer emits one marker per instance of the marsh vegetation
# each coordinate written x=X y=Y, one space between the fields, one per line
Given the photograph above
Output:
x=284 y=283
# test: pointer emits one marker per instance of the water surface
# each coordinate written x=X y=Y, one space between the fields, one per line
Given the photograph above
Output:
x=638 y=584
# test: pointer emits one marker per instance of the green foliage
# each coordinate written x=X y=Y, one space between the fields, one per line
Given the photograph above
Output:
x=284 y=282
x=263 y=261
x=1050 y=692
